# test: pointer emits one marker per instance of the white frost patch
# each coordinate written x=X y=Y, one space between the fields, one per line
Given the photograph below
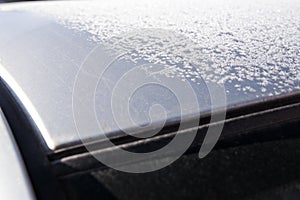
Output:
x=253 y=45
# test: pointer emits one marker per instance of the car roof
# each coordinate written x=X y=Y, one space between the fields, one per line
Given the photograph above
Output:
x=252 y=49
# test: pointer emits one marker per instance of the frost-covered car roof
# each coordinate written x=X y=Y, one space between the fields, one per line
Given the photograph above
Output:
x=251 y=47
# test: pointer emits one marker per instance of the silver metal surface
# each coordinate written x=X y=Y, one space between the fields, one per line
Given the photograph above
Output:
x=14 y=182
x=252 y=46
